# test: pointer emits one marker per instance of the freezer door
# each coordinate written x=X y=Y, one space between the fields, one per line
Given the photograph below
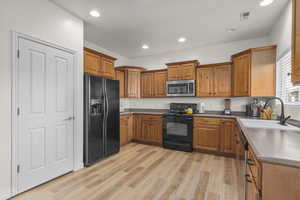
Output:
x=93 y=121
x=113 y=117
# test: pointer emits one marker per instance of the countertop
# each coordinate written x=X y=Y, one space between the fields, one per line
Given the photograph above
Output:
x=269 y=145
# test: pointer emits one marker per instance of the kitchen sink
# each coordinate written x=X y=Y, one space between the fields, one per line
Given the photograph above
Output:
x=268 y=124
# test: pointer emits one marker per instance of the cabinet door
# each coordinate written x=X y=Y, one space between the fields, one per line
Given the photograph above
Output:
x=123 y=130
x=91 y=63
x=152 y=128
x=251 y=191
x=120 y=76
x=188 y=71
x=160 y=79
x=204 y=82
x=222 y=81
x=108 y=67
x=296 y=43
x=241 y=75
x=133 y=84
x=173 y=73
x=147 y=84
x=137 y=133
x=227 y=133
x=206 y=137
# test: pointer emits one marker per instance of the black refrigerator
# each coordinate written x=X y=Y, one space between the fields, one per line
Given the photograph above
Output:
x=101 y=118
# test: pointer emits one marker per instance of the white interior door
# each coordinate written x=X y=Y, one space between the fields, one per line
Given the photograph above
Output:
x=45 y=121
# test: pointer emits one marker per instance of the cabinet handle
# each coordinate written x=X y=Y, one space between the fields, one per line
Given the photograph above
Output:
x=250 y=162
x=247 y=176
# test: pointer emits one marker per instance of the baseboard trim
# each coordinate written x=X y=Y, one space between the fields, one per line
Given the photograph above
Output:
x=216 y=153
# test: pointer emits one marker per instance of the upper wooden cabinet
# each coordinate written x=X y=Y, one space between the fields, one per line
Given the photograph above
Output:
x=182 y=70
x=254 y=72
x=160 y=79
x=99 y=64
x=147 y=84
x=214 y=80
x=153 y=83
x=132 y=80
x=120 y=76
x=296 y=43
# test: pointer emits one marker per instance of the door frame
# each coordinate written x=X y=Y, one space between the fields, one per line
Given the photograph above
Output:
x=77 y=106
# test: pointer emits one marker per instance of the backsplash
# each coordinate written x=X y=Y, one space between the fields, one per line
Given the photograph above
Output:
x=211 y=104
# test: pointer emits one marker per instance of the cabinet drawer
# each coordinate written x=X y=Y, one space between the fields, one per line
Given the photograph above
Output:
x=151 y=117
x=254 y=167
x=200 y=121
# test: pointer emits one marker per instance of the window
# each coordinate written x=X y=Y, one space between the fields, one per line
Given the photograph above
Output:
x=289 y=93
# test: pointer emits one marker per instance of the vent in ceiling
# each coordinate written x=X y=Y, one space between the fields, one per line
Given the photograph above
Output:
x=245 y=16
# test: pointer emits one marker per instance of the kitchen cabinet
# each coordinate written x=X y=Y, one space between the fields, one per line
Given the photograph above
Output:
x=206 y=133
x=160 y=79
x=120 y=76
x=147 y=84
x=99 y=64
x=182 y=70
x=132 y=80
x=227 y=131
x=152 y=128
x=296 y=43
x=153 y=83
x=252 y=193
x=148 y=128
x=125 y=129
x=214 y=80
x=254 y=72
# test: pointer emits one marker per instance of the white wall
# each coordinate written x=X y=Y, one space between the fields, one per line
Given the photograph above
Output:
x=205 y=54
x=121 y=59
x=281 y=33
x=44 y=20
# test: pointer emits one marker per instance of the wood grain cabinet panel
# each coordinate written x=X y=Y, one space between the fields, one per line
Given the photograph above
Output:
x=241 y=75
x=205 y=84
x=123 y=129
x=182 y=70
x=214 y=80
x=99 y=64
x=296 y=43
x=222 y=81
x=207 y=138
x=147 y=84
x=160 y=79
x=254 y=72
x=173 y=74
x=108 y=67
x=227 y=133
x=133 y=84
x=152 y=128
x=120 y=76
x=91 y=63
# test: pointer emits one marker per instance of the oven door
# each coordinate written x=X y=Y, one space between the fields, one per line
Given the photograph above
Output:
x=180 y=88
x=178 y=128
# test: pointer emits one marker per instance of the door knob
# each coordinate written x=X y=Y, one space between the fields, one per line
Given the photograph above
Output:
x=69 y=118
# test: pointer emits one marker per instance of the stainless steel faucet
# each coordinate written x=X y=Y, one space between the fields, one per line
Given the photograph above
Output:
x=282 y=119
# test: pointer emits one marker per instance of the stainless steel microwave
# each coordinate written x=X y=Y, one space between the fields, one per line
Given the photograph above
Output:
x=184 y=88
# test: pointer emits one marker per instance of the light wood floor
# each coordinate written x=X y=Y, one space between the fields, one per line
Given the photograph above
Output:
x=141 y=172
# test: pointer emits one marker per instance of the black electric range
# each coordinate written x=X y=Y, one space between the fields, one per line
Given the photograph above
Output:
x=178 y=127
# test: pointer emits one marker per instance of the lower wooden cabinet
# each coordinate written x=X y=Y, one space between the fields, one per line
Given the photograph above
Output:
x=148 y=128
x=227 y=133
x=214 y=134
x=125 y=129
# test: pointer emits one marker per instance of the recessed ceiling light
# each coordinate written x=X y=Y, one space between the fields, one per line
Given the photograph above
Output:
x=145 y=46
x=182 y=39
x=264 y=3
x=230 y=30
x=94 y=13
